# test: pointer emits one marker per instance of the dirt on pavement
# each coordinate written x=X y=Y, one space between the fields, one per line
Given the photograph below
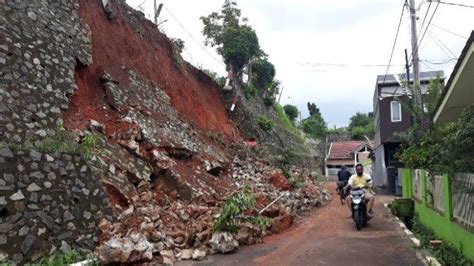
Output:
x=327 y=237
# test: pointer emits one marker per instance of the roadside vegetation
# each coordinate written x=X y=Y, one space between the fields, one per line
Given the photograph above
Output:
x=446 y=253
x=89 y=147
x=233 y=212
x=438 y=148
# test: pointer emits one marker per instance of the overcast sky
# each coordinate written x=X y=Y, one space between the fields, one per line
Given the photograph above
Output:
x=304 y=38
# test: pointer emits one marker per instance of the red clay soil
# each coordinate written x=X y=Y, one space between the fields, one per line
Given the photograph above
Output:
x=282 y=223
x=116 y=45
x=279 y=181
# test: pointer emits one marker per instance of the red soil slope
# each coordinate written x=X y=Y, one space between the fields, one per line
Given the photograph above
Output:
x=116 y=47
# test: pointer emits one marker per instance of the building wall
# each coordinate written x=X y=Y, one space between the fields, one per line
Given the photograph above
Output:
x=379 y=171
x=442 y=224
x=387 y=128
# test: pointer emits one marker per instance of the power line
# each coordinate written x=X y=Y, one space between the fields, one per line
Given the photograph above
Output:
x=456 y=4
x=448 y=31
x=441 y=62
x=342 y=64
x=190 y=35
x=395 y=41
x=438 y=42
x=426 y=29
x=426 y=14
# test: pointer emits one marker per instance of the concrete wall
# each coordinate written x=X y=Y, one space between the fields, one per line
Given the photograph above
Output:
x=379 y=170
x=441 y=223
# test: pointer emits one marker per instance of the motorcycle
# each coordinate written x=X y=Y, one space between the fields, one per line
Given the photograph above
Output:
x=340 y=191
x=359 y=207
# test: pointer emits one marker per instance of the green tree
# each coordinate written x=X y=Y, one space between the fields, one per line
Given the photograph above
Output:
x=291 y=111
x=360 y=120
x=236 y=41
x=313 y=110
x=314 y=126
x=263 y=73
x=362 y=125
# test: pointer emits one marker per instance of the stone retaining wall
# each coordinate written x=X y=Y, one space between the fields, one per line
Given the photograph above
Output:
x=47 y=202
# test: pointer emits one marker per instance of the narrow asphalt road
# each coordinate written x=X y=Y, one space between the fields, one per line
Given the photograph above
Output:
x=326 y=237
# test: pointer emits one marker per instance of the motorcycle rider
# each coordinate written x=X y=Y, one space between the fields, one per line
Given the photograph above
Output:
x=343 y=174
x=364 y=181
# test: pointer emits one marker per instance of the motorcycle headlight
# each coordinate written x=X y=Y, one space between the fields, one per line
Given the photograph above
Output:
x=356 y=201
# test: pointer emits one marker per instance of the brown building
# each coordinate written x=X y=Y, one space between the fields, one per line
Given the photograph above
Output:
x=391 y=118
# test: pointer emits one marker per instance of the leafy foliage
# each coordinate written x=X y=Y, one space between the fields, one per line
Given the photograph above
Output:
x=313 y=110
x=178 y=44
x=233 y=209
x=361 y=125
x=446 y=253
x=360 y=120
x=235 y=41
x=265 y=123
x=249 y=90
x=442 y=149
x=263 y=73
x=269 y=101
x=314 y=126
x=60 y=258
x=291 y=111
x=215 y=77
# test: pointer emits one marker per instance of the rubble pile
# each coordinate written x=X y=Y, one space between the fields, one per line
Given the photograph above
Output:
x=169 y=156
x=180 y=230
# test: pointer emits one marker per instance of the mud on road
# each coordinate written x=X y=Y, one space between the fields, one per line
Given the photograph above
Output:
x=327 y=237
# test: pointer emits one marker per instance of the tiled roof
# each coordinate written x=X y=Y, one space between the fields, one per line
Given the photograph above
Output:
x=344 y=149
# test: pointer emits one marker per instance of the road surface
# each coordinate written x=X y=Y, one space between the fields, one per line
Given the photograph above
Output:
x=326 y=237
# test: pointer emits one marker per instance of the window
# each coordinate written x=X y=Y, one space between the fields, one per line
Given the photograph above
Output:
x=396 y=111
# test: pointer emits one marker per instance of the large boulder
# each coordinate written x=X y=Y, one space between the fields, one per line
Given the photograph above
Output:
x=132 y=248
x=223 y=242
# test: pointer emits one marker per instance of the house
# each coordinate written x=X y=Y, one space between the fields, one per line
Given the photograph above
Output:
x=443 y=202
x=347 y=153
x=391 y=118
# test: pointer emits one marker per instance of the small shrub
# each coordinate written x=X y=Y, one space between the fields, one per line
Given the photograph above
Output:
x=60 y=258
x=269 y=101
x=446 y=253
x=265 y=124
x=249 y=91
x=177 y=60
x=232 y=212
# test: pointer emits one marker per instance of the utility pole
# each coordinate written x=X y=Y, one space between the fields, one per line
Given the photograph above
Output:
x=156 y=11
x=416 y=59
x=407 y=66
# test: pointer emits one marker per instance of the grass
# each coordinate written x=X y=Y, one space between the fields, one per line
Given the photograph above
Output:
x=63 y=141
x=265 y=123
x=287 y=124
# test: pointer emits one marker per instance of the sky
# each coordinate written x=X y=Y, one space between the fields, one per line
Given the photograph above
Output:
x=327 y=51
